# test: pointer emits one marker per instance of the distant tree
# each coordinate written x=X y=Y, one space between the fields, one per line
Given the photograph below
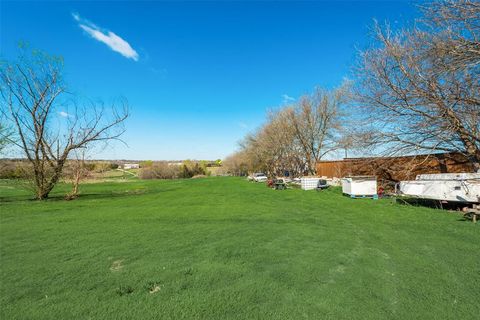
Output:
x=419 y=89
x=236 y=164
x=295 y=137
x=77 y=172
x=276 y=146
x=160 y=170
x=317 y=125
x=191 y=168
x=47 y=121
x=146 y=163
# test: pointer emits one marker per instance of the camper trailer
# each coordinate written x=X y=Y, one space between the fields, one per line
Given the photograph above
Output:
x=451 y=187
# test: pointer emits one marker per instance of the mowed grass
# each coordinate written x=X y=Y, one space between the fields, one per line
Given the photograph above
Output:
x=224 y=248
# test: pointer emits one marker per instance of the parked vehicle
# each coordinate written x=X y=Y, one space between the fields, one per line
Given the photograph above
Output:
x=258 y=177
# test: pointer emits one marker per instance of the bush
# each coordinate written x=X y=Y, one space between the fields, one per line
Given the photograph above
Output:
x=102 y=166
x=14 y=169
x=160 y=170
x=90 y=166
x=146 y=164
x=190 y=169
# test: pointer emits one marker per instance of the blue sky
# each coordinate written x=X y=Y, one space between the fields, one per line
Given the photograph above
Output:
x=198 y=75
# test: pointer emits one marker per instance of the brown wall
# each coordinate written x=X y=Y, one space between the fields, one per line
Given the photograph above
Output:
x=396 y=168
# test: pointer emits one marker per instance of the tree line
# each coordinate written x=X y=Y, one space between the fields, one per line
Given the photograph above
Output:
x=295 y=137
x=413 y=91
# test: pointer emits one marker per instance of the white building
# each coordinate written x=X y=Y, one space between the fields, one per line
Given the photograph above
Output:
x=131 y=166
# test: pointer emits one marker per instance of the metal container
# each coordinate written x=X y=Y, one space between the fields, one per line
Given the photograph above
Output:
x=309 y=183
x=360 y=186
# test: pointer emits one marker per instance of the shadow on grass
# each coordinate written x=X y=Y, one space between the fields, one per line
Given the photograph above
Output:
x=453 y=207
x=88 y=195
x=417 y=202
x=435 y=204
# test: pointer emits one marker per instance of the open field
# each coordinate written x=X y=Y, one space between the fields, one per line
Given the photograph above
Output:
x=223 y=248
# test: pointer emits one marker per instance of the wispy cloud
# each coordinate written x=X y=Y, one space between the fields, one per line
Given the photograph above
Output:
x=243 y=125
x=287 y=99
x=109 y=38
x=63 y=114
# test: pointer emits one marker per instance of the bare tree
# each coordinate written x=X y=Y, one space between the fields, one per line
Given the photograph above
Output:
x=48 y=123
x=294 y=138
x=456 y=40
x=420 y=88
x=236 y=164
x=78 y=172
x=273 y=148
x=316 y=123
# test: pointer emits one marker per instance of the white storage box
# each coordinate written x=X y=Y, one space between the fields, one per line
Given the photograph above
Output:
x=309 y=183
x=360 y=186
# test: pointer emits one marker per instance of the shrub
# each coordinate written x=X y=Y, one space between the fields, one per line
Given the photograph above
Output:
x=102 y=166
x=160 y=170
x=190 y=169
x=163 y=170
x=146 y=164
x=14 y=169
x=90 y=166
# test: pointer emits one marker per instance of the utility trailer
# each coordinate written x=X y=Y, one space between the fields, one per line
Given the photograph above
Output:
x=451 y=187
x=460 y=188
x=360 y=186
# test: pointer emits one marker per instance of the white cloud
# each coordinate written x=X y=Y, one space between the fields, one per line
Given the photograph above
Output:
x=287 y=99
x=63 y=114
x=243 y=125
x=109 y=38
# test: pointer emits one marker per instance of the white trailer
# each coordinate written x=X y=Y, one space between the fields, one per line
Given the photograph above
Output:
x=452 y=187
x=360 y=186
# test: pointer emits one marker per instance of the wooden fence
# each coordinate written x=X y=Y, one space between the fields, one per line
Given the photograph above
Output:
x=394 y=169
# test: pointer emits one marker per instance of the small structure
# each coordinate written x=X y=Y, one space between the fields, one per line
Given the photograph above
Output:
x=360 y=186
x=131 y=166
x=309 y=183
x=279 y=184
x=322 y=185
x=450 y=187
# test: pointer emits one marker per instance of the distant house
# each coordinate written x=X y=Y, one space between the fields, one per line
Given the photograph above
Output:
x=131 y=166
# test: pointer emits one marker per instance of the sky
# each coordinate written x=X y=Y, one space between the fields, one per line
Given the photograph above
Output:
x=198 y=76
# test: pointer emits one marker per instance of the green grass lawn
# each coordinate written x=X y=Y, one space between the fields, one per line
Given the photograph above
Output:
x=223 y=248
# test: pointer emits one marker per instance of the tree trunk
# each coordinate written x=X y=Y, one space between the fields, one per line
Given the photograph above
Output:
x=472 y=151
x=475 y=160
x=44 y=189
x=471 y=148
